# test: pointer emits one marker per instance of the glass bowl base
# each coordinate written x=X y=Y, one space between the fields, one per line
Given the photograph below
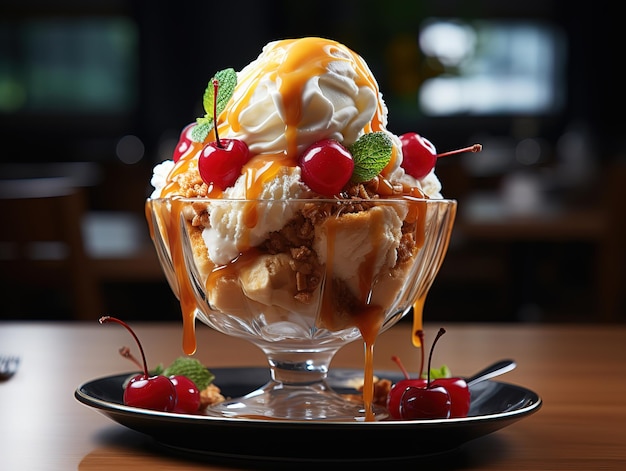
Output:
x=277 y=401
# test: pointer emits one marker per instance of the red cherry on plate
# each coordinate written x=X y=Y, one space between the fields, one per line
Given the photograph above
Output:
x=429 y=402
x=187 y=394
x=150 y=392
x=407 y=401
x=326 y=167
x=456 y=387
x=143 y=390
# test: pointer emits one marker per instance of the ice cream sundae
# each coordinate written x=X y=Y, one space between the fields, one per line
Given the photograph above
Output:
x=289 y=214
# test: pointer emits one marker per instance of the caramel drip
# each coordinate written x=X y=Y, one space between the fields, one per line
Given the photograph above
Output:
x=185 y=291
x=368 y=381
x=418 y=324
x=417 y=214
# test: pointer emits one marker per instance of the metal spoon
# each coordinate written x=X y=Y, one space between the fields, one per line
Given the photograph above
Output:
x=498 y=368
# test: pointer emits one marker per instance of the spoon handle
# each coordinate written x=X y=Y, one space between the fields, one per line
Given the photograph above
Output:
x=498 y=368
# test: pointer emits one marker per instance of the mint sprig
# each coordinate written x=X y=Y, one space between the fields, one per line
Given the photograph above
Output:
x=371 y=153
x=191 y=368
x=227 y=80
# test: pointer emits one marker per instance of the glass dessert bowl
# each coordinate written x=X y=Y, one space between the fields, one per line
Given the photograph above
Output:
x=303 y=278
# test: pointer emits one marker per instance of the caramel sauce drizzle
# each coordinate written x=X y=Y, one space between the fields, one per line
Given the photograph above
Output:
x=185 y=291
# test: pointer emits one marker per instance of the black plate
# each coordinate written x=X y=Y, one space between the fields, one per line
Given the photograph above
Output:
x=494 y=405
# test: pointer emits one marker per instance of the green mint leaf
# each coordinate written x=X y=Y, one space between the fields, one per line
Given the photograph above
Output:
x=193 y=369
x=226 y=79
x=202 y=129
x=371 y=153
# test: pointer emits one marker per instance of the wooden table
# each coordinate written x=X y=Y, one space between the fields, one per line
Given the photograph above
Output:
x=578 y=370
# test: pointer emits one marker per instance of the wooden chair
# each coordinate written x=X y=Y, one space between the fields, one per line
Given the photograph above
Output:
x=41 y=246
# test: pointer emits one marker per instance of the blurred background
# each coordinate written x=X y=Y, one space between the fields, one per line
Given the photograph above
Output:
x=94 y=94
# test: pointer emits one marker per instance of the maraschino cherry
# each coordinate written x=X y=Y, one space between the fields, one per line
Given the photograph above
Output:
x=326 y=167
x=220 y=162
x=184 y=142
x=419 y=154
x=145 y=391
x=429 y=402
x=187 y=394
x=408 y=405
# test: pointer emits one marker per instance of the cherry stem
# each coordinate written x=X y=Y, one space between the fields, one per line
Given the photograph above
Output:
x=216 y=85
x=474 y=148
x=125 y=352
x=105 y=319
x=430 y=355
x=402 y=368
x=420 y=335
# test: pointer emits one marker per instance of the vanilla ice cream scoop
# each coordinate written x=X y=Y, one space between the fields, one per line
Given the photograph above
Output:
x=300 y=91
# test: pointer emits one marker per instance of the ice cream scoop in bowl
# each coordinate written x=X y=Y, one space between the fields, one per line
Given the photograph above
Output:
x=300 y=278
